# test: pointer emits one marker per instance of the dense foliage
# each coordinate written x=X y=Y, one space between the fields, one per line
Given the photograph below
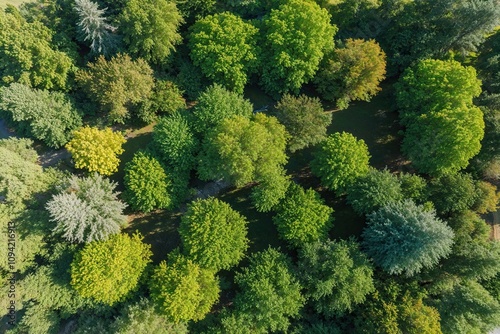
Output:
x=336 y=275
x=305 y=120
x=182 y=290
x=147 y=185
x=302 y=217
x=116 y=83
x=340 y=160
x=87 y=209
x=150 y=28
x=213 y=234
x=443 y=127
x=353 y=72
x=109 y=270
x=96 y=150
x=404 y=238
x=224 y=46
x=295 y=38
x=47 y=116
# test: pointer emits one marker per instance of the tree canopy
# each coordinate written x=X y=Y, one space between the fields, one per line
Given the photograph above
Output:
x=443 y=128
x=302 y=217
x=225 y=48
x=87 y=209
x=116 y=83
x=182 y=290
x=305 y=120
x=47 y=116
x=295 y=38
x=351 y=72
x=213 y=234
x=404 y=238
x=96 y=150
x=339 y=160
x=336 y=275
x=150 y=28
x=109 y=270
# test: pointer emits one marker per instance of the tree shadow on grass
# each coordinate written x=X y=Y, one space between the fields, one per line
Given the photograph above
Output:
x=159 y=229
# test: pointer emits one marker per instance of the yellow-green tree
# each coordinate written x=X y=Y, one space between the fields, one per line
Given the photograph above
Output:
x=96 y=150
x=108 y=270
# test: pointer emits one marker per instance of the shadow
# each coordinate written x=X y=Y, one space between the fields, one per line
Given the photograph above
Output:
x=159 y=229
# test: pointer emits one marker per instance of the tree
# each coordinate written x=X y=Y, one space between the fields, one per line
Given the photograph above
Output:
x=150 y=28
x=96 y=150
x=270 y=293
x=87 y=209
x=345 y=12
x=305 y=120
x=443 y=128
x=224 y=47
x=241 y=150
x=468 y=308
x=404 y=238
x=109 y=270
x=374 y=190
x=47 y=116
x=487 y=161
x=27 y=55
x=174 y=142
x=302 y=216
x=216 y=104
x=213 y=234
x=93 y=27
x=413 y=187
x=393 y=309
x=116 y=83
x=295 y=38
x=453 y=193
x=487 y=197
x=147 y=185
x=165 y=99
x=141 y=317
x=353 y=72
x=337 y=276
x=272 y=188
x=437 y=34
x=339 y=160
x=183 y=291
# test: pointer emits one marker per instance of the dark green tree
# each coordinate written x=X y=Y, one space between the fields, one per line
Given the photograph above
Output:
x=453 y=193
x=403 y=238
x=305 y=120
x=373 y=191
x=336 y=276
x=216 y=104
x=269 y=292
